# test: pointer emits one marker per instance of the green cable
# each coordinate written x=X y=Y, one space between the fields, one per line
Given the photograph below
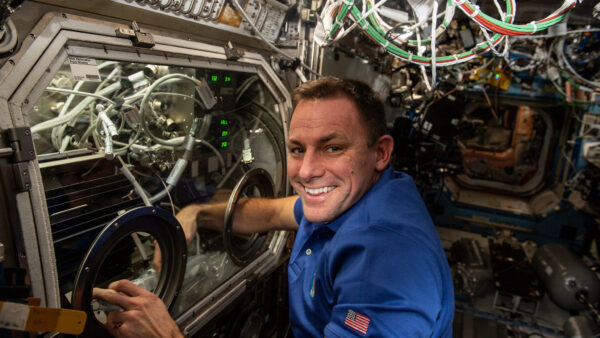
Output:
x=377 y=32
x=528 y=28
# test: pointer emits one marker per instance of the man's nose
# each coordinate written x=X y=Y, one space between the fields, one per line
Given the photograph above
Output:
x=312 y=166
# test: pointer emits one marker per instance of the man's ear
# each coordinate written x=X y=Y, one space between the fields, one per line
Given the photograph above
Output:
x=384 y=147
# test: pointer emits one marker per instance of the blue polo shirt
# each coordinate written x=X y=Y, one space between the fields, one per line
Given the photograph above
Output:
x=378 y=270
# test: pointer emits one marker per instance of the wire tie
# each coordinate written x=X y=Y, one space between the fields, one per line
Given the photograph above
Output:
x=534 y=27
x=475 y=12
x=348 y=2
x=410 y=55
x=456 y=58
x=340 y=23
x=386 y=44
x=460 y=2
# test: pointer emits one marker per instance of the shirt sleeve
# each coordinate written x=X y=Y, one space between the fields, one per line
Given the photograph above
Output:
x=384 y=284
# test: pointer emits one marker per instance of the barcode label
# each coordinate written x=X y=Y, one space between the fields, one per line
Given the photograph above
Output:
x=84 y=69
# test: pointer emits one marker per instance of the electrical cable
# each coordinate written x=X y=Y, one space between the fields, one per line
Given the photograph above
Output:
x=75 y=92
x=75 y=112
x=433 y=38
x=504 y=28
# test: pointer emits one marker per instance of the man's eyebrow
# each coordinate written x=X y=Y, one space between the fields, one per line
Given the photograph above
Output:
x=292 y=142
x=322 y=140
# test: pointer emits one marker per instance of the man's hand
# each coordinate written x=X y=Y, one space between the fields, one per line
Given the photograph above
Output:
x=187 y=217
x=143 y=315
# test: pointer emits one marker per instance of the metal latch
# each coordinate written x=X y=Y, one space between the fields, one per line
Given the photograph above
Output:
x=139 y=38
x=232 y=53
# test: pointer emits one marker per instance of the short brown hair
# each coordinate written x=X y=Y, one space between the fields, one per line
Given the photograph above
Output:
x=370 y=106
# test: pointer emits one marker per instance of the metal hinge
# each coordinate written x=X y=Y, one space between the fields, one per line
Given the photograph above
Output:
x=139 y=38
x=23 y=151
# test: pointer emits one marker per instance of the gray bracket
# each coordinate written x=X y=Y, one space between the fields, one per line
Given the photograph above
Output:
x=139 y=38
x=232 y=53
x=23 y=151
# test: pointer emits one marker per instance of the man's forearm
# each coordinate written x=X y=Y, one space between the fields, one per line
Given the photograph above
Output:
x=251 y=215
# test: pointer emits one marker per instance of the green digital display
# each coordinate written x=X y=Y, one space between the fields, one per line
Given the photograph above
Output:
x=227 y=78
x=224 y=133
x=214 y=78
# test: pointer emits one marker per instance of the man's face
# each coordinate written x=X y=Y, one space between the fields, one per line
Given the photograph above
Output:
x=329 y=163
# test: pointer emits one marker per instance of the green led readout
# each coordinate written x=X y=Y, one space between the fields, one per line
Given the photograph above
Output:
x=214 y=78
x=224 y=133
x=227 y=79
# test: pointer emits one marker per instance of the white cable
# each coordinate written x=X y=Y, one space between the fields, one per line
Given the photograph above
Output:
x=300 y=75
x=76 y=111
x=80 y=93
x=433 y=38
x=136 y=185
x=108 y=143
x=106 y=121
x=423 y=71
x=499 y=8
x=488 y=38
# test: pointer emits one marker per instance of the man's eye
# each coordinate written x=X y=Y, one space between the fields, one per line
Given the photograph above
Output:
x=296 y=150
x=333 y=149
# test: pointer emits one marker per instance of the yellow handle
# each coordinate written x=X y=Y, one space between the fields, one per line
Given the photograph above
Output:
x=15 y=316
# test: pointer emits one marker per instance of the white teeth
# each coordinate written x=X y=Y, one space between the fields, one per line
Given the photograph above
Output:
x=318 y=191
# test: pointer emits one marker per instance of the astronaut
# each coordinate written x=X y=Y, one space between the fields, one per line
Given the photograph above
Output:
x=367 y=260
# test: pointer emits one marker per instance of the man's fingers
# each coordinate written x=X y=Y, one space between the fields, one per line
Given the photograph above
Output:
x=157 y=258
x=112 y=297
x=127 y=287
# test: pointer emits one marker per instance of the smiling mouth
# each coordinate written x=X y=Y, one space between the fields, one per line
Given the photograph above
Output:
x=318 y=191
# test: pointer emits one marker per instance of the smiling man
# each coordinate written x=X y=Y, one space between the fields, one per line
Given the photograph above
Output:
x=367 y=260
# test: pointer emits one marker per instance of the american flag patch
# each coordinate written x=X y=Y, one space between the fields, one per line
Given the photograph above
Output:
x=357 y=321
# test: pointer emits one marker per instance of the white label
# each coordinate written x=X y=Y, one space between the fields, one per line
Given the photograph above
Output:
x=13 y=316
x=84 y=69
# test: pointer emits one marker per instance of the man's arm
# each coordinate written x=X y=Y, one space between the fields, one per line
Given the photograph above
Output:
x=251 y=215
